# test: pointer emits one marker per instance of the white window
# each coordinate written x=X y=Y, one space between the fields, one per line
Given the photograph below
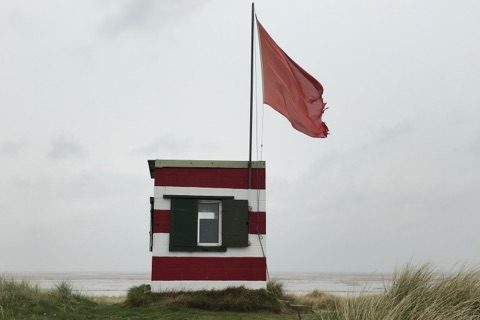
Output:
x=209 y=223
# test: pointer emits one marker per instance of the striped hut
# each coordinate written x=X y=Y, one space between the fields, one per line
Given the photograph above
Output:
x=208 y=225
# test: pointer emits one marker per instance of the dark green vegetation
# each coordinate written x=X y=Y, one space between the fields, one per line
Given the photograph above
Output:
x=20 y=300
x=231 y=299
x=416 y=293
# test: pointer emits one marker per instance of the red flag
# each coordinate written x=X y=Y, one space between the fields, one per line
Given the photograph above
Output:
x=290 y=90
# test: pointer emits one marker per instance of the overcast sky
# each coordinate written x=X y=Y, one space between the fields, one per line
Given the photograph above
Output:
x=89 y=90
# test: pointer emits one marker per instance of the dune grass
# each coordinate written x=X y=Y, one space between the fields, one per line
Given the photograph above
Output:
x=415 y=294
x=319 y=301
x=19 y=299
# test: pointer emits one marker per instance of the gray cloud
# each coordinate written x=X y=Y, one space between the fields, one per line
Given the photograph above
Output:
x=163 y=144
x=10 y=147
x=387 y=198
x=173 y=145
x=62 y=148
x=98 y=186
x=147 y=16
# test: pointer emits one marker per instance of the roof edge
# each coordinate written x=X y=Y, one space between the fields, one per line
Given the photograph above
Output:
x=161 y=163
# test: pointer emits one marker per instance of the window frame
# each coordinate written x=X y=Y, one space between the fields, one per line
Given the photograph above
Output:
x=228 y=236
x=210 y=244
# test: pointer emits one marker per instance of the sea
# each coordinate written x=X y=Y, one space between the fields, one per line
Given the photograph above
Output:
x=117 y=284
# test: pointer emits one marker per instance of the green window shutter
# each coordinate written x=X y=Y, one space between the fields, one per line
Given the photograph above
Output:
x=151 y=223
x=183 y=224
x=235 y=223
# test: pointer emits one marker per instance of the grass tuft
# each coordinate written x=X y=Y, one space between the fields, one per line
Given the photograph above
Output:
x=21 y=298
x=319 y=301
x=17 y=296
x=63 y=290
x=275 y=288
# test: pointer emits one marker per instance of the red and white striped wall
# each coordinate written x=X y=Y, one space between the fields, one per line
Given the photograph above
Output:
x=208 y=270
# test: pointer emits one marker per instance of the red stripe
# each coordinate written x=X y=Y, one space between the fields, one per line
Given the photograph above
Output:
x=161 y=221
x=235 y=178
x=200 y=268
x=257 y=223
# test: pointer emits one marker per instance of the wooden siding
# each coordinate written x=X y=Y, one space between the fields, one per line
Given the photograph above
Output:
x=200 y=268
x=180 y=285
x=235 y=178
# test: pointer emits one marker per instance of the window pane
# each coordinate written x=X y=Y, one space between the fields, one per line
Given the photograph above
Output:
x=208 y=222
x=209 y=207
x=208 y=230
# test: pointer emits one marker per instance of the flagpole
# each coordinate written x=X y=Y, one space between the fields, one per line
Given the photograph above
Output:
x=251 y=99
x=252 y=43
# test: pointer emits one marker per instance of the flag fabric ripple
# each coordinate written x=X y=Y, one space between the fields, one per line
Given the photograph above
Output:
x=291 y=90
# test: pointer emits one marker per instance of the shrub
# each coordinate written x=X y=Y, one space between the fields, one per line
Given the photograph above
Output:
x=230 y=299
x=139 y=296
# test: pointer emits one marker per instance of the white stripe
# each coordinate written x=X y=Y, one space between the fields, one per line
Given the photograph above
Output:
x=162 y=286
x=256 y=198
x=240 y=194
x=243 y=194
x=161 y=240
